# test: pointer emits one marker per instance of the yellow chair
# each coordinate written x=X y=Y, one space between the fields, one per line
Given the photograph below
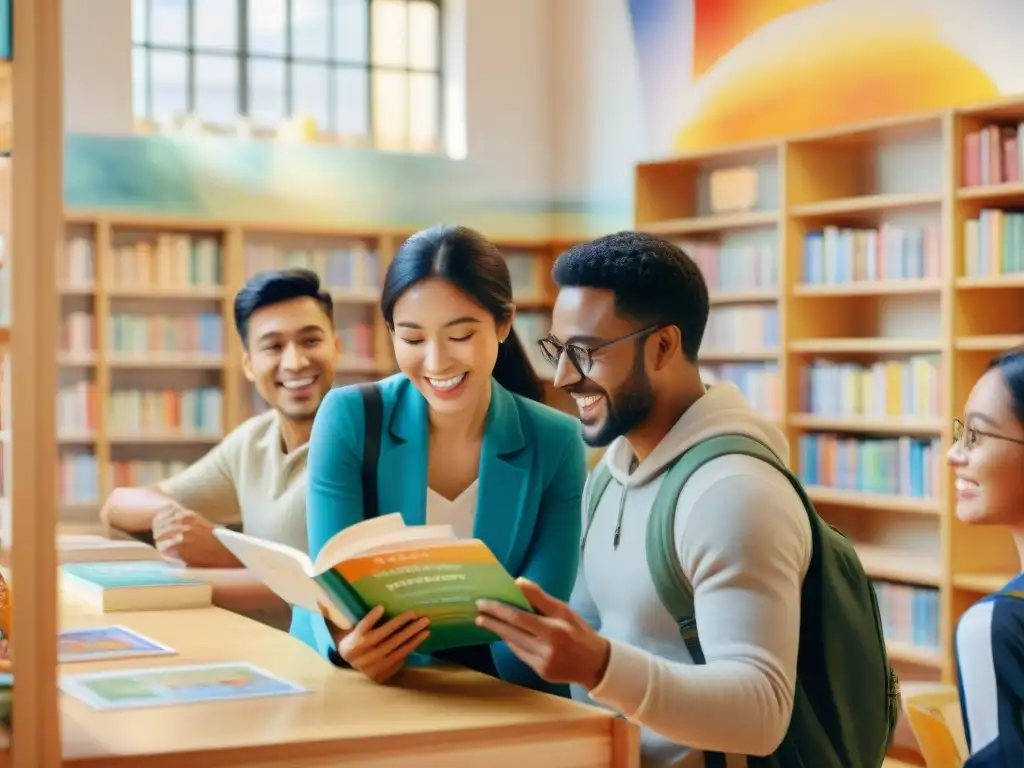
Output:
x=933 y=712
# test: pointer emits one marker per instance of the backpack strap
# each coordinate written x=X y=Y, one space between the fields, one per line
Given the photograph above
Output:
x=670 y=581
x=599 y=480
x=373 y=413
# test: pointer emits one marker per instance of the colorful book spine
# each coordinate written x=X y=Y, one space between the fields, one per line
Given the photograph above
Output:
x=78 y=408
x=78 y=479
x=741 y=262
x=172 y=411
x=903 y=466
x=6 y=31
x=352 y=266
x=836 y=256
x=909 y=388
x=356 y=339
x=994 y=244
x=991 y=155
x=77 y=333
x=140 y=335
x=759 y=383
x=910 y=614
x=76 y=263
x=742 y=327
x=171 y=261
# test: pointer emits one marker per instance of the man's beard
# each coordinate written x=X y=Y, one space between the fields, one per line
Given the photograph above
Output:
x=626 y=410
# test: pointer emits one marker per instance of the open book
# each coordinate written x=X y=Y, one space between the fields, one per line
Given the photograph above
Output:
x=382 y=561
x=933 y=711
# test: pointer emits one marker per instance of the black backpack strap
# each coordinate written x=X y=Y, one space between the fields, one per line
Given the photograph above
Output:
x=373 y=412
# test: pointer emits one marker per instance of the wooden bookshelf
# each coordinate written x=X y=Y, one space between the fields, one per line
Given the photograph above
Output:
x=31 y=189
x=935 y=300
x=122 y=275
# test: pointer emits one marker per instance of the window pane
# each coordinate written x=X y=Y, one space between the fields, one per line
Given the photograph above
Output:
x=351 y=102
x=423 y=111
x=216 y=24
x=309 y=93
x=266 y=93
x=267 y=25
x=310 y=25
x=217 y=89
x=390 y=109
x=169 y=22
x=139 y=20
x=424 y=28
x=140 y=82
x=169 y=79
x=390 y=33
x=350 y=30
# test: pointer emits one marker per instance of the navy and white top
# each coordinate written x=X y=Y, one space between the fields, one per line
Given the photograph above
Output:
x=990 y=661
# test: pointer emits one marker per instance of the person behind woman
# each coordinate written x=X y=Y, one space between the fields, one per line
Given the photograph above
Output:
x=987 y=459
x=465 y=442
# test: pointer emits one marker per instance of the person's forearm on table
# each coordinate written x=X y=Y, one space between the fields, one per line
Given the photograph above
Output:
x=132 y=509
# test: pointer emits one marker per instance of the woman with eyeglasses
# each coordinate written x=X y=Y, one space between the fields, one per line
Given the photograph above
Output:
x=987 y=459
x=464 y=441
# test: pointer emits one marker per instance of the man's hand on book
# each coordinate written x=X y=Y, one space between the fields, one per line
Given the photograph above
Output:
x=555 y=642
x=379 y=651
x=182 y=534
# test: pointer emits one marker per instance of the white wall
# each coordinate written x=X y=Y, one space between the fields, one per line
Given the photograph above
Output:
x=599 y=125
x=507 y=64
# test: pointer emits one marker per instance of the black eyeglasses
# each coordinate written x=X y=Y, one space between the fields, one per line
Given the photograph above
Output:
x=582 y=358
x=971 y=434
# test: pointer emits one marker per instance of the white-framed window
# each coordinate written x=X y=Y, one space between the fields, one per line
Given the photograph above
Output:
x=362 y=72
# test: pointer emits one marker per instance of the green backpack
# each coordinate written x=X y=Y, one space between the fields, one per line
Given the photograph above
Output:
x=847 y=696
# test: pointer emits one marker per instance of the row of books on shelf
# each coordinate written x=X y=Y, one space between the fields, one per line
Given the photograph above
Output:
x=79 y=475
x=78 y=479
x=357 y=340
x=887 y=388
x=76 y=262
x=839 y=255
x=353 y=265
x=77 y=332
x=170 y=261
x=910 y=614
x=742 y=327
x=991 y=155
x=903 y=466
x=132 y=411
x=741 y=262
x=189 y=411
x=201 y=333
x=994 y=244
x=759 y=383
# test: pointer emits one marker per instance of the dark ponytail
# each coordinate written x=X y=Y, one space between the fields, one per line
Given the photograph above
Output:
x=475 y=266
x=1011 y=366
x=514 y=371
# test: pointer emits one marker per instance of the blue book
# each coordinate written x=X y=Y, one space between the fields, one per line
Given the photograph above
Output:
x=134 y=586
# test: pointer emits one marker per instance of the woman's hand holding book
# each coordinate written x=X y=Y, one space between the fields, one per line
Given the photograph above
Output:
x=380 y=651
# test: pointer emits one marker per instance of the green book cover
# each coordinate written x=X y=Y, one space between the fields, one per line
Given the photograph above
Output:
x=440 y=581
x=115 y=575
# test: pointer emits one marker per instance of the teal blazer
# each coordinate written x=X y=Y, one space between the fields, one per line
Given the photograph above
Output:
x=529 y=498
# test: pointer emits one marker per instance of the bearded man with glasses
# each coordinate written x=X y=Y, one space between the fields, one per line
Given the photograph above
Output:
x=675 y=505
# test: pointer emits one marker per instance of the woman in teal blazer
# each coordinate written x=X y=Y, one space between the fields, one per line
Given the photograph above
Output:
x=464 y=441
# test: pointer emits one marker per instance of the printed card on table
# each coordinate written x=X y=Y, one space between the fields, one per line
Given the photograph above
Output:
x=171 y=686
x=104 y=643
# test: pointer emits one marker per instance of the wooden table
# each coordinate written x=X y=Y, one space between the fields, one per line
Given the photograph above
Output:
x=427 y=718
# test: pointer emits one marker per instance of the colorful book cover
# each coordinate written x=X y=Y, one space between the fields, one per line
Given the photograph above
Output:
x=103 y=643
x=172 y=686
x=128 y=574
x=440 y=582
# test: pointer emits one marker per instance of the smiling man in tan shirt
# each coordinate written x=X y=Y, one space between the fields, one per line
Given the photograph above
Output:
x=254 y=479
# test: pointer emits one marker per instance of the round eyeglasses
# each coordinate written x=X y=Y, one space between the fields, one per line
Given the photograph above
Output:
x=581 y=357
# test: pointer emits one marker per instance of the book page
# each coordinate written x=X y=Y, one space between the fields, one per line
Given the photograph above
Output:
x=388 y=531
